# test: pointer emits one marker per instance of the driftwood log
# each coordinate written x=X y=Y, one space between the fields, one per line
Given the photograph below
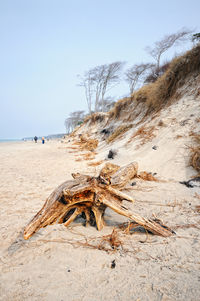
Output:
x=90 y=196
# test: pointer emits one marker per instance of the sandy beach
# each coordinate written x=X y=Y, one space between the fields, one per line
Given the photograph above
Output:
x=56 y=263
x=100 y=150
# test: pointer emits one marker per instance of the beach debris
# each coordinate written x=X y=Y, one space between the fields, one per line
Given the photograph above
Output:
x=90 y=196
x=106 y=131
x=184 y=122
x=147 y=176
x=112 y=240
x=109 y=169
x=195 y=182
x=154 y=147
x=112 y=153
x=195 y=159
x=197 y=208
x=85 y=143
x=195 y=152
x=133 y=183
x=113 y=264
x=95 y=163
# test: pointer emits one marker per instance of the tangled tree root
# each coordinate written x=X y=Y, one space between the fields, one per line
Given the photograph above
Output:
x=90 y=196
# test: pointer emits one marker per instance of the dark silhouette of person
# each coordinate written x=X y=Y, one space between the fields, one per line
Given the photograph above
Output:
x=36 y=139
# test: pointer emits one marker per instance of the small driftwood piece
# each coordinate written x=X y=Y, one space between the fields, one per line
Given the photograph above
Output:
x=90 y=196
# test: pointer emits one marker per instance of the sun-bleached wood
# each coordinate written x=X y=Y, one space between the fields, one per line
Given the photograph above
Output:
x=90 y=196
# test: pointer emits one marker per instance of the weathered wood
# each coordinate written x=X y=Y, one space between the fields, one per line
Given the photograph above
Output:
x=90 y=196
x=124 y=175
x=109 y=169
x=150 y=225
x=81 y=177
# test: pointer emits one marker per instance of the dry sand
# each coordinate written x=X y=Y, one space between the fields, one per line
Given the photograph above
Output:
x=52 y=266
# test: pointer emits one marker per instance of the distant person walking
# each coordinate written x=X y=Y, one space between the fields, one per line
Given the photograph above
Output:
x=36 y=139
x=43 y=140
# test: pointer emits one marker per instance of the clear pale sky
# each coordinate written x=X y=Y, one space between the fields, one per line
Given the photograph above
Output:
x=45 y=44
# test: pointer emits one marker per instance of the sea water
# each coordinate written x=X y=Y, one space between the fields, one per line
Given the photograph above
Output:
x=10 y=140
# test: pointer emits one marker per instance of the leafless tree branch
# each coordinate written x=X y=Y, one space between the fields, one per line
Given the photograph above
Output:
x=97 y=81
x=167 y=42
x=134 y=74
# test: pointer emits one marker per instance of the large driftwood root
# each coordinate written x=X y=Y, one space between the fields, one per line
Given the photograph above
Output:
x=90 y=196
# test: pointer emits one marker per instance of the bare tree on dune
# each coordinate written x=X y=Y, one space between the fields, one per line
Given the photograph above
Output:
x=166 y=43
x=97 y=81
x=74 y=119
x=134 y=74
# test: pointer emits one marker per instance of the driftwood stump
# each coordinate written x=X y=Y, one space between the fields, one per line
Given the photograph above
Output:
x=90 y=196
